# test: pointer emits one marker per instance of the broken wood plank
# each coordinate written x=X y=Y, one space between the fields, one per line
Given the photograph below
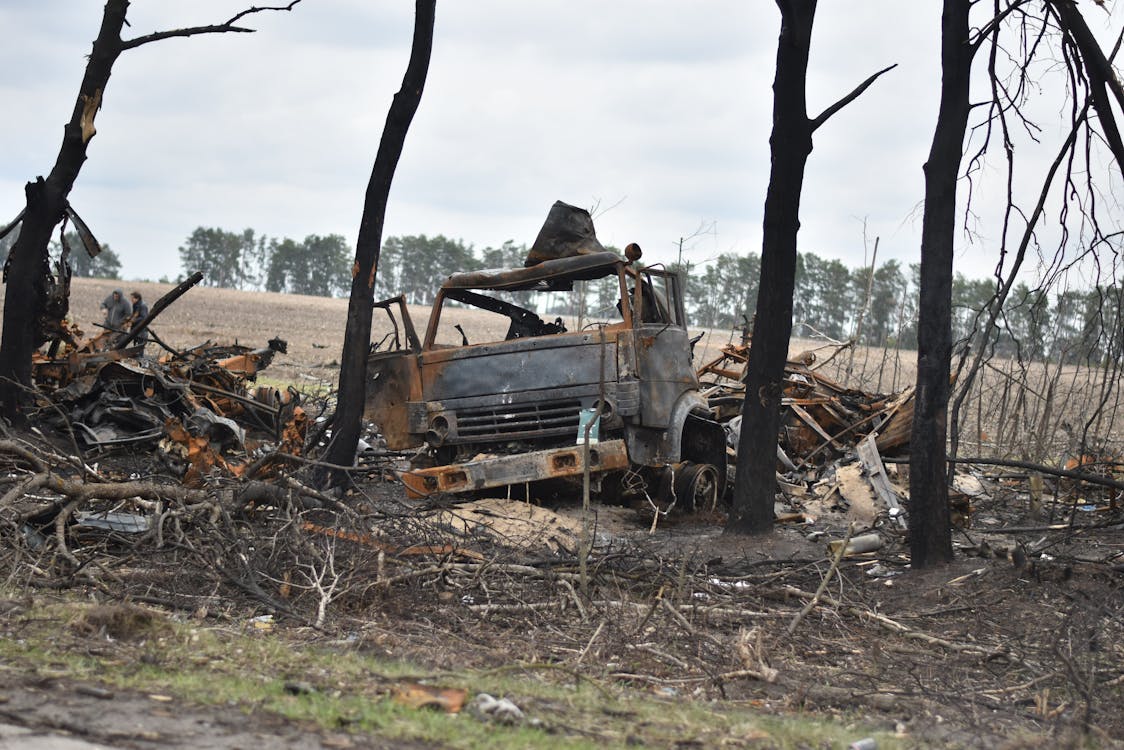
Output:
x=894 y=432
x=808 y=420
x=879 y=480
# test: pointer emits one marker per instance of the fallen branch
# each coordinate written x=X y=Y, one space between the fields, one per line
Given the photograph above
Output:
x=839 y=552
x=1041 y=468
x=84 y=491
x=1052 y=527
x=290 y=490
x=21 y=489
x=589 y=644
x=11 y=446
x=524 y=571
x=896 y=627
x=487 y=609
x=679 y=618
x=431 y=570
x=77 y=493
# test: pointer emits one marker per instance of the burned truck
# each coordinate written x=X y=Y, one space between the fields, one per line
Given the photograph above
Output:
x=493 y=395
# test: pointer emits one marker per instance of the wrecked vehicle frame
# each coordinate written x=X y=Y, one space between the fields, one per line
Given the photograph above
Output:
x=488 y=414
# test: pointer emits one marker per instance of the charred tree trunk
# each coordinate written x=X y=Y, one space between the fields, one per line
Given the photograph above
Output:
x=27 y=269
x=790 y=144
x=357 y=339
x=930 y=532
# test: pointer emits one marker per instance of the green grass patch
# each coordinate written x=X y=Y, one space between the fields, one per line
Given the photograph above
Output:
x=353 y=691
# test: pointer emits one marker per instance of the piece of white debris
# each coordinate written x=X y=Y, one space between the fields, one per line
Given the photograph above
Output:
x=485 y=706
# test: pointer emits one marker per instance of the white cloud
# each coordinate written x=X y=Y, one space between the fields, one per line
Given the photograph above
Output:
x=660 y=105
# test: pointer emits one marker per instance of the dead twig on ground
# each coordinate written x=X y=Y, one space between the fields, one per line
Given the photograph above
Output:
x=839 y=552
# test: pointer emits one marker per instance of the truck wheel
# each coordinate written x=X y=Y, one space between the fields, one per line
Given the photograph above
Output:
x=696 y=487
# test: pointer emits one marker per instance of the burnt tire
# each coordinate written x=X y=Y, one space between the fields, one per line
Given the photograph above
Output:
x=698 y=487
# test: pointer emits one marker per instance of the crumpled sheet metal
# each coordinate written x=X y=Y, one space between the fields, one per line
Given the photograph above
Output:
x=247 y=363
x=202 y=458
x=196 y=409
x=216 y=429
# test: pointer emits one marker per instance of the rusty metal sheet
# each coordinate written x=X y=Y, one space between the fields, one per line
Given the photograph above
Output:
x=395 y=383
x=499 y=471
x=242 y=364
x=581 y=267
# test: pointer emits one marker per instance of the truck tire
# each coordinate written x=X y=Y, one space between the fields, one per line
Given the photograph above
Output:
x=697 y=487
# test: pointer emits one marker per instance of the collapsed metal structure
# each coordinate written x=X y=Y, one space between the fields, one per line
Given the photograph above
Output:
x=199 y=407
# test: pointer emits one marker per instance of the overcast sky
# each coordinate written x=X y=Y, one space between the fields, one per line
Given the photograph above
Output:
x=656 y=111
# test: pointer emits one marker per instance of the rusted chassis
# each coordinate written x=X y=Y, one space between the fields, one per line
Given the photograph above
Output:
x=518 y=401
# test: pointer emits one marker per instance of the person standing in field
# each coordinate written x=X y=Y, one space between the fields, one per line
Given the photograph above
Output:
x=117 y=310
x=139 y=313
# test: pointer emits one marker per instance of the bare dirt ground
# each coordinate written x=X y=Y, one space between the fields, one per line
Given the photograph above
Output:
x=1019 y=643
x=53 y=713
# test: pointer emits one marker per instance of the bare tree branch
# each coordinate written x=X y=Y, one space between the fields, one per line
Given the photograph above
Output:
x=15 y=223
x=992 y=26
x=827 y=113
x=1101 y=77
x=221 y=28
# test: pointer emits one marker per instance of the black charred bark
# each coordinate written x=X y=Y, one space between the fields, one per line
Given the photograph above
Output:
x=790 y=144
x=930 y=530
x=28 y=265
x=357 y=339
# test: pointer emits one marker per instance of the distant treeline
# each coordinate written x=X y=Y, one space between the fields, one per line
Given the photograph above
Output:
x=876 y=307
x=831 y=300
x=317 y=265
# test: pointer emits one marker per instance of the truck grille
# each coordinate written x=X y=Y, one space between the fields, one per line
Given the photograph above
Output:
x=512 y=421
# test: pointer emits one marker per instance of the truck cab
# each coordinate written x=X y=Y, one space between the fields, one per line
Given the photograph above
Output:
x=493 y=394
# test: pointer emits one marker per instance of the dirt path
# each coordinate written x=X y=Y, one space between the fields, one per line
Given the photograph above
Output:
x=43 y=713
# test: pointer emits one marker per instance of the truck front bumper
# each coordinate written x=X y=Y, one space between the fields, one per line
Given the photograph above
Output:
x=499 y=471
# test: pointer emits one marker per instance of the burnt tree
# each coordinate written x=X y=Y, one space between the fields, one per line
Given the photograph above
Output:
x=27 y=272
x=790 y=144
x=930 y=532
x=1092 y=86
x=1087 y=68
x=352 y=394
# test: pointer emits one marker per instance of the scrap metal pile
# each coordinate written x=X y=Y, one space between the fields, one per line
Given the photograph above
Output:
x=831 y=442
x=198 y=407
x=821 y=420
